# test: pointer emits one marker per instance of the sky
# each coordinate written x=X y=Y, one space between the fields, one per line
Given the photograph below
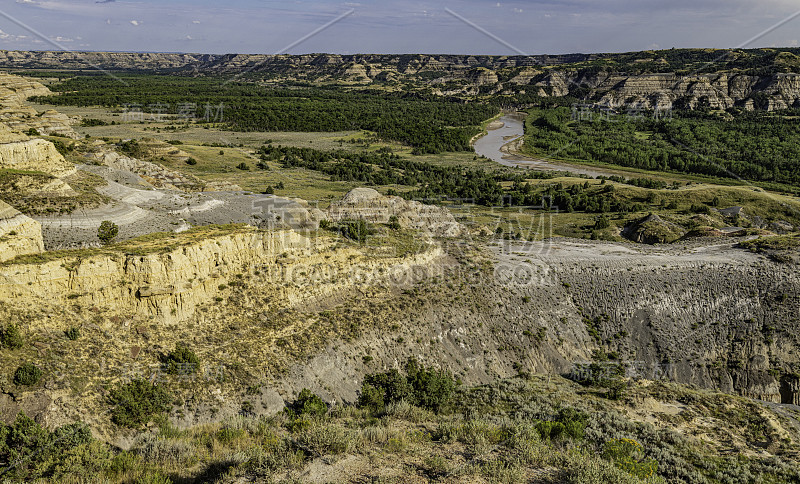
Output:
x=397 y=26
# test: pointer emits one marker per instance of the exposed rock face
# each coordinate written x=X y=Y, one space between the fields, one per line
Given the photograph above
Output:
x=369 y=205
x=19 y=235
x=482 y=76
x=170 y=285
x=664 y=91
x=153 y=173
x=34 y=155
x=20 y=116
x=651 y=90
x=716 y=317
x=293 y=213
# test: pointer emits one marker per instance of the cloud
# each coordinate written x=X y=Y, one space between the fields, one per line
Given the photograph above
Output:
x=196 y=22
x=63 y=39
x=105 y=1
x=135 y=23
x=11 y=38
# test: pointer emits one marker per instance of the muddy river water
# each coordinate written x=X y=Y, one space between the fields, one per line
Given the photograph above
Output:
x=491 y=146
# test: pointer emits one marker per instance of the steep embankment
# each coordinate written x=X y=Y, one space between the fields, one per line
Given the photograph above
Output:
x=19 y=235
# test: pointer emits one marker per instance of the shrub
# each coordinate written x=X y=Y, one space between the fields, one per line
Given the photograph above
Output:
x=181 y=361
x=425 y=387
x=307 y=404
x=394 y=223
x=243 y=166
x=132 y=148
x=432 y=388
x=10 y=337
x=391 y=384
x=628 y=455
x=604 y=375
x=107 y=232
x=136 y=403
x=191 y=162
x=371 y=398
x=356 y=230
x=62 y=147
x=89 y=122
x=39 y=453
x=73 y=333
x=602 y=223
x=326 y=439
x=27 y=375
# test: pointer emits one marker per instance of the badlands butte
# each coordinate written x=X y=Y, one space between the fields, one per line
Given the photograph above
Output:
x=319 y=284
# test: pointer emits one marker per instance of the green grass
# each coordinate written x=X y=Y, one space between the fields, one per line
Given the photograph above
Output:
x=780 y=242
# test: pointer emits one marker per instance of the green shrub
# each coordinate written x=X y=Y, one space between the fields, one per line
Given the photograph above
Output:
x=131 y=148
x=89 y=122
x=191 y=162
x=357 y=230
x=425 y=387
x=392 y=385
x=181 y=361
x=136 y=403
x=604 y=375
x=40 y=454
x=307 y=404
x=62 y=147
x=394 y=223
x=243 y=166
x=628 y=455
x=27 y=375
x=602 y=223
x=10 y=337
x=432 y=388
x=107 y=232
x=73 y=333
x=371 y=398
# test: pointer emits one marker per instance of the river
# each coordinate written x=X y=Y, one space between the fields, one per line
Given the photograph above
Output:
x=491 y=146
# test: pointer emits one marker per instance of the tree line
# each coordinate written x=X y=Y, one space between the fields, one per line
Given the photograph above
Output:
x=429 y=124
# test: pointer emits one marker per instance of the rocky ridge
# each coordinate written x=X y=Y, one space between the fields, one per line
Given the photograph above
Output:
x=543 y=75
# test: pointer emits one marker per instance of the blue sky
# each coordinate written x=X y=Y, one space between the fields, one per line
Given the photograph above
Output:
x=399 y=26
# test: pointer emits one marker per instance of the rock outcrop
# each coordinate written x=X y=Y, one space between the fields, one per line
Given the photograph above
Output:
x=367 y=204
x=155 y=174
x=21 y=153
x=19 y=234
x=18 y=115
x=170 y=284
